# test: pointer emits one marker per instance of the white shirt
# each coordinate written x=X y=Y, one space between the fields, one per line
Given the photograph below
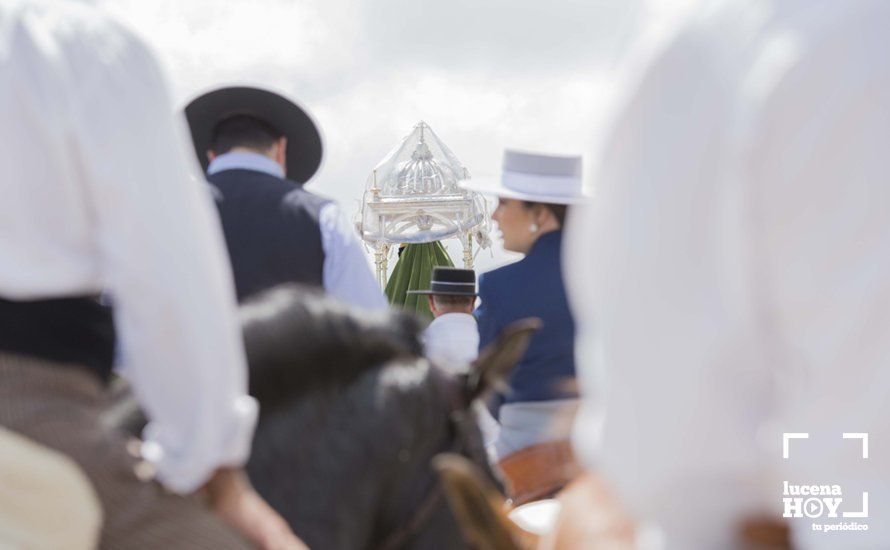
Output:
x=736 y=266
x=345 y=273
x=96 y=196
x=452 y=341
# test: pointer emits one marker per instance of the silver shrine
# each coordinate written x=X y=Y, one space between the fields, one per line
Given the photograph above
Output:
x=412 y=196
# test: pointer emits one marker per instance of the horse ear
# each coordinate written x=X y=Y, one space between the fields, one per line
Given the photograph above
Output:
x=479 y=508
x=496 y=361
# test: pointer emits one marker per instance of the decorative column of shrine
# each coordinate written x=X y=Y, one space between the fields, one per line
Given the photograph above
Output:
x=381 y=261
x=467 y=241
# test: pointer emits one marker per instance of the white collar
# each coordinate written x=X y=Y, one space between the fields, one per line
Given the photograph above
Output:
x=245 y=160
x=454 y=318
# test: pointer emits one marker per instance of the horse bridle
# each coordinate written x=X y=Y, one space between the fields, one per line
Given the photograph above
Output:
x=459 y=417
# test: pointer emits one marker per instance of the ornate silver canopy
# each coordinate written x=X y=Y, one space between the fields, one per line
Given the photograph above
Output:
x=412 y=196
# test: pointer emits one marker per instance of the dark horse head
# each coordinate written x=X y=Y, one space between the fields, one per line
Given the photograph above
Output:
x=351 y=418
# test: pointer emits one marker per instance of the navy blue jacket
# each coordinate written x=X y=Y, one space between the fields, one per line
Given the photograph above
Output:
x=271 y=229
x=532 y=287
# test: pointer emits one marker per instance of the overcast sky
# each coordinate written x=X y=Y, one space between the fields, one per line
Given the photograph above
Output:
x=484 y=74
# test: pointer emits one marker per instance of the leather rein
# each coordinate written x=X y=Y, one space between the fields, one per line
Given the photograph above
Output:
x=459 y=415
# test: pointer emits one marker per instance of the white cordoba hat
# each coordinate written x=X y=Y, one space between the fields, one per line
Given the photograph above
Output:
x=535 y=177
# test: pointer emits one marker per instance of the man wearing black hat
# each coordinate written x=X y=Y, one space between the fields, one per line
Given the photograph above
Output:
x=452 y=339
x=258 y=149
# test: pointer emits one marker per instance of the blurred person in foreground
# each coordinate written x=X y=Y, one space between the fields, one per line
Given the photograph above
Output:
x=732 y=280
x=97 y=198
x=259 y=149
x=534 y=194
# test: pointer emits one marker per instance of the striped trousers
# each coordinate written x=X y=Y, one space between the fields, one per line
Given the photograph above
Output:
x=59 y=406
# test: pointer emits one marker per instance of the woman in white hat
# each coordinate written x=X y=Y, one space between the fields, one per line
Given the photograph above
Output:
x=534 y=194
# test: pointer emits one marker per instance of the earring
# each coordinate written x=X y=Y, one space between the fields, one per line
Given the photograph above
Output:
x=533 y=228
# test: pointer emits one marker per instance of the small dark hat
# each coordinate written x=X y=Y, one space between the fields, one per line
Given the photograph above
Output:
x=304 y=149
x=451 y=281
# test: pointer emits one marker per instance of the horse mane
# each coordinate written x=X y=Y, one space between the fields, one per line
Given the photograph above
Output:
x=298 y=340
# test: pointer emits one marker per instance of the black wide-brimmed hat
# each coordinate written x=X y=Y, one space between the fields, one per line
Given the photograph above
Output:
x=451 y=281
x=304 y=149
